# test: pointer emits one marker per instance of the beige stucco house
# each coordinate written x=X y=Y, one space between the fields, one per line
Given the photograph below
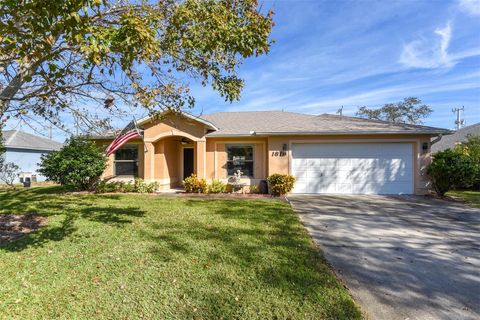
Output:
x=326 y=153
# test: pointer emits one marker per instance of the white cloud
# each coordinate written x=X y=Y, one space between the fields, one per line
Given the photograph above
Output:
x=429 y=54
x=470 y=6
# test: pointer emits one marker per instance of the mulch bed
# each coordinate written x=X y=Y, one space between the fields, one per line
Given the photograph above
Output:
x=227 y=195
x=14 y=226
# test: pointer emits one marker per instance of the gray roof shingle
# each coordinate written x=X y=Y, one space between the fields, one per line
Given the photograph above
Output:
x=460 y=135
x=279 y=122
x=22 y=140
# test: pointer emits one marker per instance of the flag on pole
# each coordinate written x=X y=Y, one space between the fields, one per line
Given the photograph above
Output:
x=129 y=132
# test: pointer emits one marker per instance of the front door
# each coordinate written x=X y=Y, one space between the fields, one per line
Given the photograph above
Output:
x=187 y=162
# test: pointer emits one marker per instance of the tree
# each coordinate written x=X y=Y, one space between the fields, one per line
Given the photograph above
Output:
x=2 y=148
x=471 y=147
x=58 y=55
x=410 y=110
x=79 y=164
x=8 y=172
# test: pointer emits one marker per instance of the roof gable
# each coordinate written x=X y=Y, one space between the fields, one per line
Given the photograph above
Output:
x=187 y=115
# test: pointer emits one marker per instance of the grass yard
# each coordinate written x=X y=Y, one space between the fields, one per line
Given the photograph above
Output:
x=471 y=198
x=153 y=257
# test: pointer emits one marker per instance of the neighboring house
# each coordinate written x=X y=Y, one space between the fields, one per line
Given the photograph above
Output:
x=326 y=153
x=452 y=140
x=24 y=149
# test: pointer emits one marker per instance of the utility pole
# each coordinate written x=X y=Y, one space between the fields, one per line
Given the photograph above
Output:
x=459 y=122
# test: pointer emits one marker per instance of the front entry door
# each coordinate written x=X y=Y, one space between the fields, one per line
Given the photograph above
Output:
x=187 y=162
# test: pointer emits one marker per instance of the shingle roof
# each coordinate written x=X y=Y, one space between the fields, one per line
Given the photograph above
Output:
x=460 y=135
x=279 y=122
x=22 y=140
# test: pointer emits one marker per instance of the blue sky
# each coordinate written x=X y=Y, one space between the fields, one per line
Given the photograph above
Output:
x=353 y=53
x=336 y=53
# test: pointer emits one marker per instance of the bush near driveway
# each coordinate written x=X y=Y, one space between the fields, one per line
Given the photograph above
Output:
x=450 y=169
x=281 y=184
x=141 y=256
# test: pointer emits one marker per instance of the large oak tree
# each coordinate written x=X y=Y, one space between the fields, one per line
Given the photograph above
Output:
x=56 y=54
x=410 y=110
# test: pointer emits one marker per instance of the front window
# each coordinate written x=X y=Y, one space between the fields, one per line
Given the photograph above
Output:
x=240 y=157
x=126 y=161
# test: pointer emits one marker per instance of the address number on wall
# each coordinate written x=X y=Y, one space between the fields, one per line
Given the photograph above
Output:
x=279 y=153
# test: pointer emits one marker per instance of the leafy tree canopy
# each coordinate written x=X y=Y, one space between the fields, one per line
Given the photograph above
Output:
x=57 y=55
x=471 y=147
x=410 y=110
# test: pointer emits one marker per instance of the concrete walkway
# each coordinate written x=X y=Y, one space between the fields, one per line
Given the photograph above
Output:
x=401 y=257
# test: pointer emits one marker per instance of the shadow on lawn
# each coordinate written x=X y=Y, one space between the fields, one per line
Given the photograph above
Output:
x=54 y=201
x=262 y=238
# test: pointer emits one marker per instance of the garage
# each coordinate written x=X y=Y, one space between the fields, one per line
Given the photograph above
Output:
x=353 y=168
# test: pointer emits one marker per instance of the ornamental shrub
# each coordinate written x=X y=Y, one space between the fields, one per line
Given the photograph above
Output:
x=254 y=188
x=450 y=169
x=139 y=186
x=217 y=186
x=194 y=185
x=281 y=184
x=471 y=148
x=79 y=164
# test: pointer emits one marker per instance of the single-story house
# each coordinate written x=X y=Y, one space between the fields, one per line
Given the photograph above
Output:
x=460 y=135
x=326 y=153
x=25 y=149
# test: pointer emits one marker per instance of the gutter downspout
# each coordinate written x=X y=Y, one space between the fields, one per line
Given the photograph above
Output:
x=437 y=139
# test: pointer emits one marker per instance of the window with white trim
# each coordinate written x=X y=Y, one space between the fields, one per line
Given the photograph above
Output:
x=240 y=157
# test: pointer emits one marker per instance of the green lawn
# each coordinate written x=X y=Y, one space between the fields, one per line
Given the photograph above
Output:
x=153 y=257
x=471 y=198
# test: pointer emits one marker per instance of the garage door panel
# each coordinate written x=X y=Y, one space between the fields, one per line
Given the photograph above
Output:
x=379 y=174
x=300 y=187
x=353 y=168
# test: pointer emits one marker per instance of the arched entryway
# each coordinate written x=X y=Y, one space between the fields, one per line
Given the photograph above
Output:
x=171 y=158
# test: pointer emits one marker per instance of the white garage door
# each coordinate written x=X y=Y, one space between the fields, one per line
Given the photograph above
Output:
x=353 y=168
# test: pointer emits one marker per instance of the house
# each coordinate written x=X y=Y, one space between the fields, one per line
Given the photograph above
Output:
x=326 y=153
x=25 y=149
x=460 y=135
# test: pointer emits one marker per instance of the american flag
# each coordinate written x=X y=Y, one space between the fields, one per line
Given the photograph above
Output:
x=129 y=132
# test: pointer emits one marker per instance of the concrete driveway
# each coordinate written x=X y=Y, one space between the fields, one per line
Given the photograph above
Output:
x=401 y=257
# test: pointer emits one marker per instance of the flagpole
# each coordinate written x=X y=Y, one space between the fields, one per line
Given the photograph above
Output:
x=141 y=135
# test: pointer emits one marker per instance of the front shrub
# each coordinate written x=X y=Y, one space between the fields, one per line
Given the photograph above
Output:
x=138 y=186
x=194 y=185
x=471 y=148
x=217 y=186
x=79 y=164
x=450 y=169
x=281 y=184
x=254 y=188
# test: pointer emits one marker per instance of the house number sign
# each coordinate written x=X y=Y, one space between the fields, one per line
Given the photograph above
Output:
x=279 y=153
